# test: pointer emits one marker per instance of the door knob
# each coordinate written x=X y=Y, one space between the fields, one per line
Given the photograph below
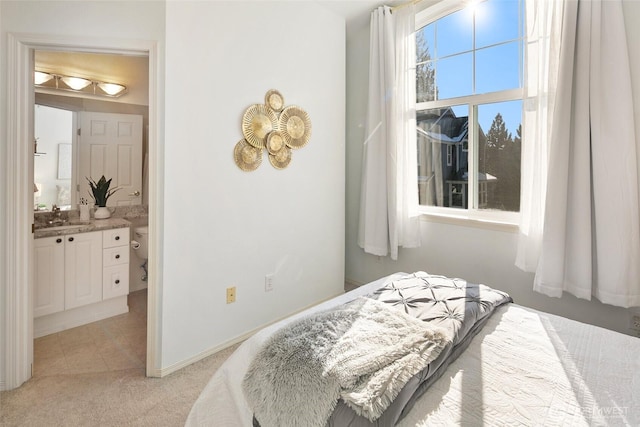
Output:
x=135 y=193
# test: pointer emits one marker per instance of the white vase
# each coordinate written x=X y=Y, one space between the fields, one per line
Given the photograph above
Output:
x=102 y=212
x=85 y=213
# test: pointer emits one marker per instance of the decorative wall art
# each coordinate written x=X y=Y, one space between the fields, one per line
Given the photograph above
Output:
x=273 y=127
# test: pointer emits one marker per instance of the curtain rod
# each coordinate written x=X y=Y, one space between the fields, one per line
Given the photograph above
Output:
x=414 y=2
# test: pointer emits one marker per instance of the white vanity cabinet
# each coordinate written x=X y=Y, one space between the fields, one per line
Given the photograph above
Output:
x=48 y=276
x=82 y=269
x=115 y=259
x=80 y=278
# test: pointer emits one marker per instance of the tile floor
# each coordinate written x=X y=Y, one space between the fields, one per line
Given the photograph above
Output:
x=112 y=344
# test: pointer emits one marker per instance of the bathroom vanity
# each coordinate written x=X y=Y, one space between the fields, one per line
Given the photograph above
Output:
x=81 y=274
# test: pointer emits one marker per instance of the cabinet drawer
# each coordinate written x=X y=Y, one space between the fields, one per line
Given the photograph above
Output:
x=115 y=237
x=115 y=256
x=115 y=281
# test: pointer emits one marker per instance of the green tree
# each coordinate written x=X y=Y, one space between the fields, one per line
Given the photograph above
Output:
x=497 y=139
x=500 y=161
x=426 y=89
x=498 y=135
x=511 y=186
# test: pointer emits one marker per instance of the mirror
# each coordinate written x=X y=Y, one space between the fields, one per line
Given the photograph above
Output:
x=52 y=163
x=57 y=162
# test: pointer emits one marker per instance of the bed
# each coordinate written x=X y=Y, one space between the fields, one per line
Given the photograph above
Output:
x=520 y=367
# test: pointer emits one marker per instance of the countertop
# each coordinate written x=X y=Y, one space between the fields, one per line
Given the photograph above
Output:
x=75 y=227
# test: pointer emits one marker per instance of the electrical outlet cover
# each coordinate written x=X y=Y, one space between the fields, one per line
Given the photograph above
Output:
x=231 y=295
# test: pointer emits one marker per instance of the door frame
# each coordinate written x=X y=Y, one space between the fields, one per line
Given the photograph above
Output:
x=18 y=245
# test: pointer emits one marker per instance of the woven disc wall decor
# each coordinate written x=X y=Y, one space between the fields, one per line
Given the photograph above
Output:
x=275 y=142
x=295 y=126
x=247 y=157
x=274 y=127
x=281 y=159
x=274 y=100
x=258 y=120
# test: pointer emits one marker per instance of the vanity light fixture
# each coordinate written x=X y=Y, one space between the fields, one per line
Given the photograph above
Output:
x=41 y=78
x=75 y=83
x=51 y=81
x=111 y=89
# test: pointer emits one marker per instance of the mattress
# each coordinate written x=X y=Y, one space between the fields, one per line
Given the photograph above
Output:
x=524 y=367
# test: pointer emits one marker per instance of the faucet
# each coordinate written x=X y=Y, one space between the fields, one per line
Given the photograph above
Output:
x=57 y=216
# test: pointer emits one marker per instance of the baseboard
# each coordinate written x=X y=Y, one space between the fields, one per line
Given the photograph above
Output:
x=63 y=320
x=203 y=355
x=162 y=372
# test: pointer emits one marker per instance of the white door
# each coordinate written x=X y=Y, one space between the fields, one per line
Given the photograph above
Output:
x=111 y=145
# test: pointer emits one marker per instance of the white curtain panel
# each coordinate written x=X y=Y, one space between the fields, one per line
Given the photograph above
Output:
x=542 y=54
x=389 y=195
x=590 y=244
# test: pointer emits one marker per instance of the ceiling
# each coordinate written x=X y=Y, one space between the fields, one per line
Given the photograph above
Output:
x=133 y=71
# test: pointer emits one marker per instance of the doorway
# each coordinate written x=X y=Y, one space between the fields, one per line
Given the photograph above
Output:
x=18 y=244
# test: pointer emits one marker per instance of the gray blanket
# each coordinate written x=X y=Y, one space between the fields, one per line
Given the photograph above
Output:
x=363 y=353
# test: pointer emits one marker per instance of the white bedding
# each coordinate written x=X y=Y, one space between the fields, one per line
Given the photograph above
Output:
x=525 y=367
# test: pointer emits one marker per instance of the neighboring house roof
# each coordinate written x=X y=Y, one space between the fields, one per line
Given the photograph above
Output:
x=443 y=126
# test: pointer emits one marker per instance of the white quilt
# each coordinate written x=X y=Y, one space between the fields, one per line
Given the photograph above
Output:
x=525 y=367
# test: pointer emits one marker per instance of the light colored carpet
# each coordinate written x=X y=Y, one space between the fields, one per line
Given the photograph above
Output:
x=70 y=389
x=115 y=398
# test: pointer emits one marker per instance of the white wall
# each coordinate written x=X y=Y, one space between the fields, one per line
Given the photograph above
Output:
x=225 y=227
x=478 y=255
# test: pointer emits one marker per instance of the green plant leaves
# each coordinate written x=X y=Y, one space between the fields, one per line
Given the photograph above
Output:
x=100 y=190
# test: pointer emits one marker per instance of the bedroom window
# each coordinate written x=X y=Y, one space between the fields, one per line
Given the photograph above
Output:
x=469 y=72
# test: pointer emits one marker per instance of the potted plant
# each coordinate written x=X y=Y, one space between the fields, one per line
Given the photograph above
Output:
x=100 y=192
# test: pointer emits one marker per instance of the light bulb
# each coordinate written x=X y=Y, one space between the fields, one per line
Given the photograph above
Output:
x=76 y=83
x=111 y=88
x=40 y=77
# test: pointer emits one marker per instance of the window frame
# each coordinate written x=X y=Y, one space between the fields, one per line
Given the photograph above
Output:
x=472 y=212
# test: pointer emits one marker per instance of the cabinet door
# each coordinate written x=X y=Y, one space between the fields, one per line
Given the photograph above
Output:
x=115 y=281
x=83 y=269
x=48 y=276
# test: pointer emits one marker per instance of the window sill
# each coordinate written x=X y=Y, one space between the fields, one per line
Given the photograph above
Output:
x=509 y=225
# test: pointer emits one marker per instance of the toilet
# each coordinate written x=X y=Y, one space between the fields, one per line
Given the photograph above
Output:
x=138 y=260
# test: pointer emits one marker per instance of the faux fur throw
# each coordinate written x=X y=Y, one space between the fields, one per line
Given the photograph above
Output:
x=364 y=351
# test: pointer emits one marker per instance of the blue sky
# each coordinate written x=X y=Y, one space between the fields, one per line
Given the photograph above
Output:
x=498 y=56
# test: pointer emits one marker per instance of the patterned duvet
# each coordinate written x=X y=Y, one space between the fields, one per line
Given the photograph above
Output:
x=456 y=306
